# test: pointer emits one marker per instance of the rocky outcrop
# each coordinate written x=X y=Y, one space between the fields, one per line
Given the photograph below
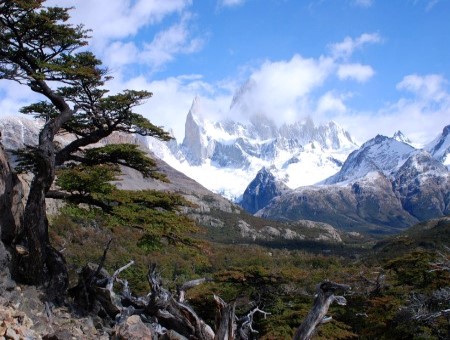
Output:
x=367 y=204
x=423 y=185
x=440 y=147
x=11 y=208
x=384 y=186
x=133 y=329
x=261 y=191
x=302 y=230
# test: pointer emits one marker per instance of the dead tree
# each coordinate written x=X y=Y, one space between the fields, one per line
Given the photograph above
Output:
x=165 y=312
x=325 y=296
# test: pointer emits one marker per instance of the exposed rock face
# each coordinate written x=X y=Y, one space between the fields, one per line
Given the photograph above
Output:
x=440 y=147
x=381 y=153
x=386 y=185
x=261 y=191
x=399 y=136
x=322 y=232
x=364 y=204
x=195 y=142
x=423 y=184
x=17 y=132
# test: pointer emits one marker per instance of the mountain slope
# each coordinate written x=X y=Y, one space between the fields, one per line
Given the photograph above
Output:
x=261 y=191
x=224 y=220
x=384 y=186
x=440 y=147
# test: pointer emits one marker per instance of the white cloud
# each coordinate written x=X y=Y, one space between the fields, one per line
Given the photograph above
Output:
x=13 y=96
x=172 y=99
x=358 y=72
x=231 y=3
x=419 y=117
x=332 y=103
x=281 y=89
x=345 y=48
x=118 y=54
x=429 y=87
x=117 y=19
x=431 y=4
x=166 y=44
x=363 y=3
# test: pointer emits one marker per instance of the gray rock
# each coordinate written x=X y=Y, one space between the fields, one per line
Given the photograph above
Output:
x=133 y=329
x=261 y=191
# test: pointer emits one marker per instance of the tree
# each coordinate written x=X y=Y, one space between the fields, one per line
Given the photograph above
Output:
x=41 y=50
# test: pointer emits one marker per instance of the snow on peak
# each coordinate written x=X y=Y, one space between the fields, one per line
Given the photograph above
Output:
x=439 y=148
x=381 y=154
x=225 y=156
x=399 y=136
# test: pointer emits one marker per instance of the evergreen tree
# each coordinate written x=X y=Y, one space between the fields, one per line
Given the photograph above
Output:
x=41 y=50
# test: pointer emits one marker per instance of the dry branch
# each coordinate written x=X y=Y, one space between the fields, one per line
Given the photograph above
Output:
x=317 y=315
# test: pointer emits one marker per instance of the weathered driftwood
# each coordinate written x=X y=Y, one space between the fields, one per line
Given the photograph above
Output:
x=160 y=309
x=225 y=320
x=229 y=326
x=325 y=296
x=172 y=314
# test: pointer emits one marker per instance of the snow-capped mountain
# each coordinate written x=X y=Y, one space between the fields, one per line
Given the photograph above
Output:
x=385 y=184
x=381 y=153
x=440 y=147
x=399 y=136
x=225 y=156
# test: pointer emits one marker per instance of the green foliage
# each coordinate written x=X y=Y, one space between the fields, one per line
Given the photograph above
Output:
x=87 y=180
x=126 y=154
x=33 y=40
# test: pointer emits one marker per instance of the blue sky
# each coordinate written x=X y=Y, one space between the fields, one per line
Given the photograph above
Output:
x=373 y=66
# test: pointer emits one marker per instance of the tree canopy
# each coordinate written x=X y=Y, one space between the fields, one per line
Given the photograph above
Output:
x=40 y=49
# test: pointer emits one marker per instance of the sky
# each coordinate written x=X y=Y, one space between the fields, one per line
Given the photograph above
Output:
x=372 y=66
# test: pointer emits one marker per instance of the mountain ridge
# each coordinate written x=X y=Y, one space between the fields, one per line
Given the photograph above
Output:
x=301 y=153
x=385 y=183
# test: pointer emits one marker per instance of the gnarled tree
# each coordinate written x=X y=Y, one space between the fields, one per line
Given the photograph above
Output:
x=39 y=49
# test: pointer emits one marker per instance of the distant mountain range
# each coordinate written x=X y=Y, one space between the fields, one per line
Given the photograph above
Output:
x=225 y=156
x=384 y=186
x=224 y=220
x=302 y=171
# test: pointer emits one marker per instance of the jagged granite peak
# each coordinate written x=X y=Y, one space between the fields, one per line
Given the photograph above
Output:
x=440 y=147
x=195 y=141
x=378 y=154
x=399 y=136
x=235 y=150
x=261 y=191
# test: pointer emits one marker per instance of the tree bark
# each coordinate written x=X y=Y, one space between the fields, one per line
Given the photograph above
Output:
x=317 y=315
x=42 y=264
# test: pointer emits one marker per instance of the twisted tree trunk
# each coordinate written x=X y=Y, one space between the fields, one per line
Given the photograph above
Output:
x=40 y=263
